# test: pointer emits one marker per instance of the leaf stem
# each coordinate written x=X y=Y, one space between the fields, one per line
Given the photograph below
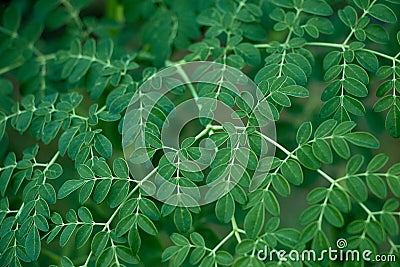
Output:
x=223 y=241
x=236 y=229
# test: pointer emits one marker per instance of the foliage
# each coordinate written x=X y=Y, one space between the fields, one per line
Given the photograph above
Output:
x=329 y=71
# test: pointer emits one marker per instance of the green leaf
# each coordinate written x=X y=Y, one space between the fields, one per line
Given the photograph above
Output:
x=128 y=223
x=354 y=164
x=304 y=133
x=105 y=258
x=118 y=192
x=120 y=168
x=330 y=107
x=32 y=244
x=75 y=145
x=224 y=258
x=149 y=208
x=316 y=195
x=83 y=234
x=320 y=241
x=367 y=59
x=47 y=192
x=86 y=191
x=395 y=169
x=272 y=224
x=344 y=128
x=340 y=199
x=249 y=53
x=124 y=253
x=317 y=7
x=389 y=223
x=225 y=208
x=99 y=242
x=348 y=15
x=295 y=72
x=309 y=232
x=179 y=240
x=209 y=260
x=331 y=59
x=281 y=185
x=141 y=155
x=266 y=72
x=310 y=214
x=377 y=186
x=307 y=158
x=322 y=151
x=103 y=145
x=363 y=4
x=197 y=239
x=353 y=106
x=41 y=222
x=394 y=184
x=182 y=219
x=101 y=190
x=292 y=171
x=271 y=203
x=333 y=216
x=65 y=140
x=23 y=120
x=85 y=215
x=245 y=246
x=375 y=230
x=383 y=13
x=377 y=162
x=79 y=71
x=105 y=49
x=377 y=33
x=66 y=262
x=281 y=99
x=356 y=72
x=392 y=122
x=85 y=172
x=355 y=87
x=384 y=103
x=5 y=178
x=11 y=18
x=68 y=187
x=254 y=221
x=357 y=188
x=134 y=240
x=325 y=128
x=391 y=205
x=147 y=225
x=101 y=169
x=169 y=252
x=362 y=139
x=287 y=236
x=66 y=234
x=324 y=25
x=53 y=171
x=300 y=60
x=294 y=90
